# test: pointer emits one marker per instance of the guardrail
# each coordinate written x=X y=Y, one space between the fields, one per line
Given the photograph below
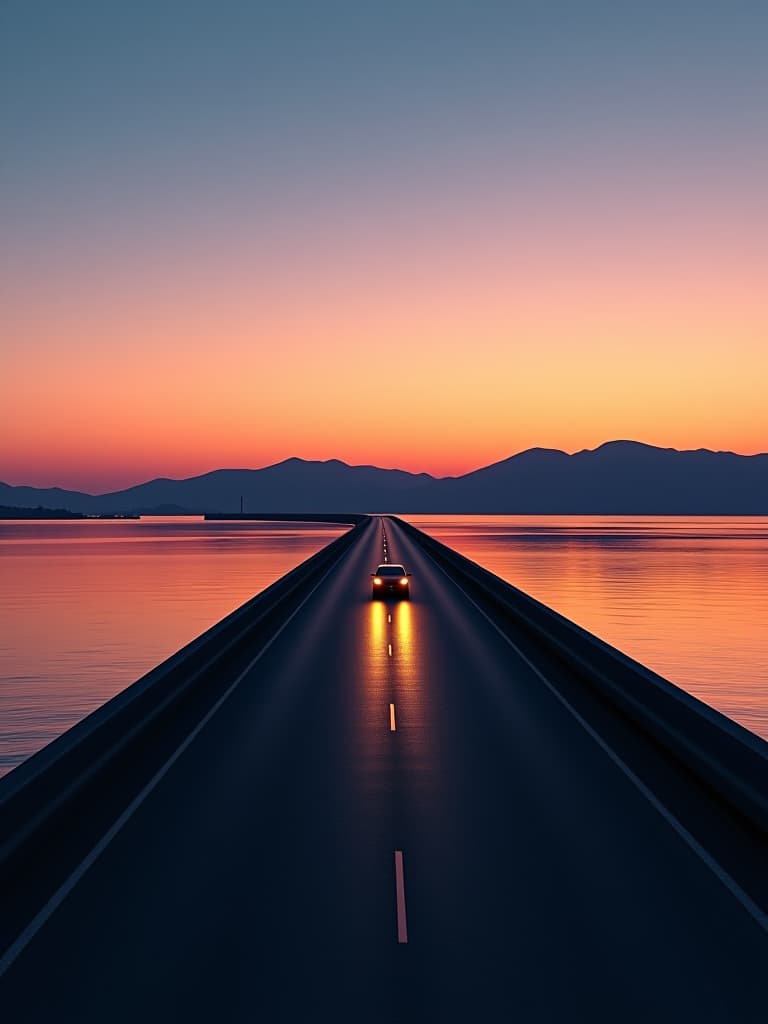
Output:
x=59 y=801
x=731 y=761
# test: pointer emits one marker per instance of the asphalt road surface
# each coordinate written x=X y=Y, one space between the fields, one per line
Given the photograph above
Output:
x=392 y=818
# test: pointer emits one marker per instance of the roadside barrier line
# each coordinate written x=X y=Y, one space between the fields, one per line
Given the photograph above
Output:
x=753 y=909
x=58 y=897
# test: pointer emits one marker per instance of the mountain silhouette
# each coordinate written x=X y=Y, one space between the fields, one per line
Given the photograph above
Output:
x=617 y=478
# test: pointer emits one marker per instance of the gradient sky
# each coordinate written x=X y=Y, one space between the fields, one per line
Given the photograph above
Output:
x=423 y=235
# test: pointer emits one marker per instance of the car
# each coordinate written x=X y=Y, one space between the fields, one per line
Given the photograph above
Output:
x=391 y=580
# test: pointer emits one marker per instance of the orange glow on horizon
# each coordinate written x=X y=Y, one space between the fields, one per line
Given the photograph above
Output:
x=526 y=230
x=399 y=351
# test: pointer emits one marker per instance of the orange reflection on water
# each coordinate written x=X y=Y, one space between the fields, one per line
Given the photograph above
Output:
x=687 y=596
x=86 y=607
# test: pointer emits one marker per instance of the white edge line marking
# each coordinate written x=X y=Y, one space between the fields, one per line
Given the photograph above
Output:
x=392 y=725
x=40 y=918
x=402 y=920
x=756 y=912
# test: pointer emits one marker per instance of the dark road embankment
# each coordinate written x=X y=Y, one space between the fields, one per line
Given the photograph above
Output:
x=449 y=808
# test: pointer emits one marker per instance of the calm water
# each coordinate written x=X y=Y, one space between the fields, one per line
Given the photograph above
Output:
x=88 y=607
x=686 y=596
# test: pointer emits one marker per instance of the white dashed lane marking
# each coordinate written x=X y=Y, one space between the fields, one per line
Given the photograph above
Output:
x=402 y=921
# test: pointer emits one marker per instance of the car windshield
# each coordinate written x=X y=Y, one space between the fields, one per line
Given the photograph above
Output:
x=390 y=570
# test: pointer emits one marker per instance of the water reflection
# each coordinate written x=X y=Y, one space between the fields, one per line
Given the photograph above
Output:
x=87 y=607
x=687 y=596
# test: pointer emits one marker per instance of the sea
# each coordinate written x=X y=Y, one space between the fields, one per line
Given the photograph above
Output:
x=88 y=606
x=687 y=596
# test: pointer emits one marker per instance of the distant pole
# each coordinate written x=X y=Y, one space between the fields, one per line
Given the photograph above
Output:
x=241 y=504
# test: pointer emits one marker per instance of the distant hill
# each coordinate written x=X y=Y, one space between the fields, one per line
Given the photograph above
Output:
x=293 y=485
x=17 y=512
x=619 y=477
x=49 y=497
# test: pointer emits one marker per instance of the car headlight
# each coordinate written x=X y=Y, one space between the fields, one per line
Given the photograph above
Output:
x=403 y=582
x=376 y=581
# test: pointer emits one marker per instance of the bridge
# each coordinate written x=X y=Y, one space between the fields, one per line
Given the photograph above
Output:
x=461 y=807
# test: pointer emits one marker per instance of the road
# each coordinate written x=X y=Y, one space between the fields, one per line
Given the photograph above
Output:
x=393 y=818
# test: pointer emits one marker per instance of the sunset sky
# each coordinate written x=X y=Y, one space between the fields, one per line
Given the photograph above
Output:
x=423 y=235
